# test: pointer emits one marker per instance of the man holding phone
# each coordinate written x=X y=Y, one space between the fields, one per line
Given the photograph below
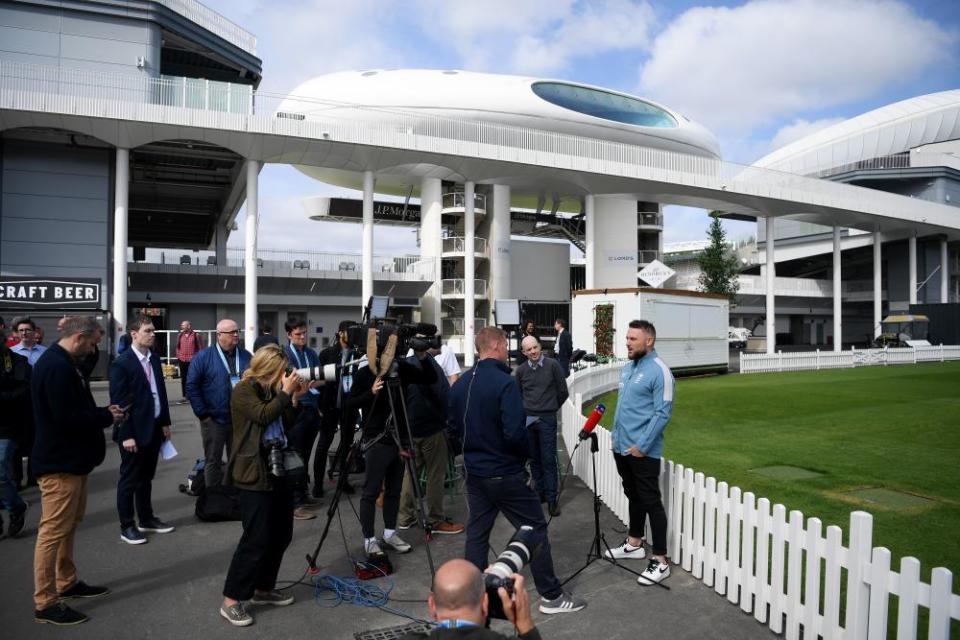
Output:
x=136 y=383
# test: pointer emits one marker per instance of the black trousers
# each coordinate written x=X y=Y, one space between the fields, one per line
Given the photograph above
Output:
x=301 y=437
x=641 y=484
x=267 y=531
x=135 y=487
x=384 y=468
x=184 y=368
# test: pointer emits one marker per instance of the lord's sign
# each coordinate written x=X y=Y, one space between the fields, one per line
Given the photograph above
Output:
x=77 y=293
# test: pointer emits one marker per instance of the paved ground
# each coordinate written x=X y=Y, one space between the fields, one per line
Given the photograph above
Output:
x=170 y=587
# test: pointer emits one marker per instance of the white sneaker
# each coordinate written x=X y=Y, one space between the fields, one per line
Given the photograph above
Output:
x=396 y=543
x=626 y=551
x=655 y=572
x=372 y=548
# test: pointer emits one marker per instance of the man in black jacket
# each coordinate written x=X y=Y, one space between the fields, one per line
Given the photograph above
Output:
x=487 y=409
x=335 y=413
x=69 y=444
x=459 y=603
x=370 y=394
x=15 y=424
x=564 y=346
x=427 y=412
x=137 y=380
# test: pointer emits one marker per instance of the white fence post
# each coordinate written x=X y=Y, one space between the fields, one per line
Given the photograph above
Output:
x=941 y=592
x=811 y=588
x=709 y=533
x=908 y=598
x=777 y=595
x=831 y=582
x=794 y=556
x=733 y=554
x=858 y=560
x=747 y=582
x=699 y=501
x=676 y=519
x=688 y=521
x=723 y=511
x=762 y=581
x=878 y=575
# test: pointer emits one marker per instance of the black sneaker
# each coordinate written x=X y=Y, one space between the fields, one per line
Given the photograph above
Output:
x=83 y=590
x=16 y=522
x=156 y=525
x=132 y=535
x=60 y=615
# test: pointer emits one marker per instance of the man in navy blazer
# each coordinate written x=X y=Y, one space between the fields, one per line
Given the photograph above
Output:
x=136 y=384
x=564 y=348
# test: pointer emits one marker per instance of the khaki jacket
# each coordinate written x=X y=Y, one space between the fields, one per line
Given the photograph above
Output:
x=253 y=409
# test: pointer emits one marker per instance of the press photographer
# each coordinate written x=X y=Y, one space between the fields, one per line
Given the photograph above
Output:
x=460 y=603
x=263 y=408
x=385 y=432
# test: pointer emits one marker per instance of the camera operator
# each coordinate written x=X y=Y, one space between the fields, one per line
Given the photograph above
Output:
x=263 y=408
x=459 y=603
x=382 y=449
x=486 y=407
x=335 y=413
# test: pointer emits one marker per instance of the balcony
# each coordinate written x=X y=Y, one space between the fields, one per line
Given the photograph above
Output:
x=454 y=326
x=213 y=22
x=456 y=288
x=456 y=201
x=457 y=246
x=649 y=221
x=646 y=256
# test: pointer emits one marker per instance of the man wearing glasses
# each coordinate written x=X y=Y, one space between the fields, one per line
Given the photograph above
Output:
x=27 y=347
x=213 y=374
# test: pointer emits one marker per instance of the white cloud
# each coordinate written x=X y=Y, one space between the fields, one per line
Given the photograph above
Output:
x=682 y=224
x=799 y=129
x=740 y=68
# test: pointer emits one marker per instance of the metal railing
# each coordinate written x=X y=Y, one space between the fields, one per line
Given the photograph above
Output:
x=458 y=200
x=457 y=287
x=458 y=244
x=646 y=256
x=429 y=134
x=165 y=343
x=213 y=22
x=649 y=219
x=294 y=260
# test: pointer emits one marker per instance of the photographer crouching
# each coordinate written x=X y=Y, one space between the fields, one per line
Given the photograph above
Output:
x=384 y=435
x=459 y=602
x=263 y=407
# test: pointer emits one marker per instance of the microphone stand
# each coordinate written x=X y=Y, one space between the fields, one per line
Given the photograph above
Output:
x=599 y=543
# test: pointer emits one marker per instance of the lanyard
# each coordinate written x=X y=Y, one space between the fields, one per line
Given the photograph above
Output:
x=226 y=366
x=300 y=362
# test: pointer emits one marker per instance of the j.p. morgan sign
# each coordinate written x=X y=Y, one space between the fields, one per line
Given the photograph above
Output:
x=81 y=293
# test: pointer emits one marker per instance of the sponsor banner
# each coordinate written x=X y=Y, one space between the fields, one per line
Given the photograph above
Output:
x=80 y=293
x=620 y=258
x=656 y=273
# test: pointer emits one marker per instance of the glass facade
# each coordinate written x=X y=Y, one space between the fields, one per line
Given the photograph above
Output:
x=602 y=104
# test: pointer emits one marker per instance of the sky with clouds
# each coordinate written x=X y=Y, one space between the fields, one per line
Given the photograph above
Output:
x=759 y=74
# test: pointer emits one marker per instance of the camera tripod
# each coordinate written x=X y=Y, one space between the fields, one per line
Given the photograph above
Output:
x=393 y=390
x=599 y=548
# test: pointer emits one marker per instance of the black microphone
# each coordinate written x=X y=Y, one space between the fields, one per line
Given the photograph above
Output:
x=592 y=421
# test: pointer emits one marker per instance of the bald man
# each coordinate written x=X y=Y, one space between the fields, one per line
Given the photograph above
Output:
x=543 y=387
x=459 y=603
x=210 y=380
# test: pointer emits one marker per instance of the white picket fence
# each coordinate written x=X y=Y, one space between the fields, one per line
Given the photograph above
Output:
x=811 y=360
x=755 y=555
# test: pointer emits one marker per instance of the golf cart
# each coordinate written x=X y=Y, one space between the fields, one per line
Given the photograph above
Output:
x=737 y=337
x=904 y=330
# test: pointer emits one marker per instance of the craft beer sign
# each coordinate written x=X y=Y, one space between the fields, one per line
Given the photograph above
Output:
x=78 y=293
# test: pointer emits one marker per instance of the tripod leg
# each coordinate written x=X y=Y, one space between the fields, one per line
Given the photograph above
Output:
x=334 y=505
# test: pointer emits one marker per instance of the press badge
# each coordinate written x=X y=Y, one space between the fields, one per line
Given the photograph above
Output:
x=234 y=380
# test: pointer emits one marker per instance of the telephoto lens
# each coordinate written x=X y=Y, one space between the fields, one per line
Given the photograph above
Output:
x=275 y=459
x=511 y=560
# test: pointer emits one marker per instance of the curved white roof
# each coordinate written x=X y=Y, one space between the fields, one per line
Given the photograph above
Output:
x=889 y=130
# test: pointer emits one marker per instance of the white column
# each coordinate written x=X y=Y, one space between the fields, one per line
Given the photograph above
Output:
x=121 y=200
x=837 y=292
x=469 y=273
x=912 y=281
x=499 y=243
x=431 y=246
x=877 y=284
x=590 y=219
x=944 y=272
x=250 y=254
x=367 y=243
x=771 y=281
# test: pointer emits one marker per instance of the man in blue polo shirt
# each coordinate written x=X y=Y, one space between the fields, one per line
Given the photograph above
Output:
x=644 y=407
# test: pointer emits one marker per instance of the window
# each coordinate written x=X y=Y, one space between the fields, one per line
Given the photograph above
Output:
x=602 y=104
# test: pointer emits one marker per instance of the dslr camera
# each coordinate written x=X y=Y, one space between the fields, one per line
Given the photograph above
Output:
x=275 y=457
x=514 y=558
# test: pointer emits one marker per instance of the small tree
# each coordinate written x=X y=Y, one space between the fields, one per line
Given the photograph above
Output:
x=719 y=266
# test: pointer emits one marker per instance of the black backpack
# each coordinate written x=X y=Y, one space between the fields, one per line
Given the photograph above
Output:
x=218 y=504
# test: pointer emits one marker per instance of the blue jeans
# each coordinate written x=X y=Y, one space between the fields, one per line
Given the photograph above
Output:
x=543 y=456
x=487 y=497
x=9 y=497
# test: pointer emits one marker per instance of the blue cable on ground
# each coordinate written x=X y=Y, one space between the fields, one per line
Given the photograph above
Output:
x=332 y=591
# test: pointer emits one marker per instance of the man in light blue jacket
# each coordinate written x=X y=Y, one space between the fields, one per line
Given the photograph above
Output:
x=644 y=407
